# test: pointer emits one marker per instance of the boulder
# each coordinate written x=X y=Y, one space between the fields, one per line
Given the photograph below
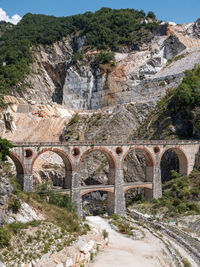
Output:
x=172 y=47
x=86 y=247
x=69 y=263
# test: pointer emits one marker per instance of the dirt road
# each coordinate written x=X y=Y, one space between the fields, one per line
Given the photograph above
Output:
x=123 y=251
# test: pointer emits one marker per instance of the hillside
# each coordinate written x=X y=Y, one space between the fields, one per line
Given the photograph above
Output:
x=104 y=29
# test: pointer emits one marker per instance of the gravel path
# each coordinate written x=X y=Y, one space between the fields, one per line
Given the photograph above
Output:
x=123 y=251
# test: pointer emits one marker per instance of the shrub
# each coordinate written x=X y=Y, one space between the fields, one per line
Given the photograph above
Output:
x=105 y=57
x=73 y=120
x=5 y=146
x=105 y=234
x=15 y=205
x=5 y=237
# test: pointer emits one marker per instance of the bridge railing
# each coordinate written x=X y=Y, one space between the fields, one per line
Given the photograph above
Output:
x=107 y=143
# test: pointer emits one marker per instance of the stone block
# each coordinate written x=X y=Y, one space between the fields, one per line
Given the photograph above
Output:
x=69 y=263
x=85 y=248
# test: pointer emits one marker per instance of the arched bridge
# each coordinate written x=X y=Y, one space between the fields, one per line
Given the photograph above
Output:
x=25 y=154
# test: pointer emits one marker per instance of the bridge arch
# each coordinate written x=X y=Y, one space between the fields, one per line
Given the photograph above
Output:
x=109 y=172
x=127 y=188
x=182 y=158
x=150 y=162
x=96 y=189
x=69 y=167
x=144 y=170
x=149 y=159
x=111 y=159
x=20 y=167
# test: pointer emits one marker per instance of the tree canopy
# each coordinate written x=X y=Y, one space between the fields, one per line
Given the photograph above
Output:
x=5 y=146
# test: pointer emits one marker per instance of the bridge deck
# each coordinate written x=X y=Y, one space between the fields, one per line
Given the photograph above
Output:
x=109 y=188
x=106 y=143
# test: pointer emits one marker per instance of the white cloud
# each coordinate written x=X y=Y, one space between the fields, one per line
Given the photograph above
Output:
x=4 y=17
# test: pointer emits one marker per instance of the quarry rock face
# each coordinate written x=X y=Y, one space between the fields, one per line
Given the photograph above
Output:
x=5 y=190
x=139 y=75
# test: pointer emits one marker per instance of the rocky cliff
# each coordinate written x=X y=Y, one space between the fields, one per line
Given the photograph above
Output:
x=137 y=76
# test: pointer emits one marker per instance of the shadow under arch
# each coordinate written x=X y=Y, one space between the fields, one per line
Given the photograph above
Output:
x=20 y=168
x=126 y=189
x=149 y=167
x=182 y=158
x=111 y=175
x=150 y=162
x=67 y=183
x=110 y=158
x=110 y=200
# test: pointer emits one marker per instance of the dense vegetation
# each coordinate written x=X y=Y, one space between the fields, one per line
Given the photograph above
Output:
x=4 y=26
x=180 y=196
x=104 y=29
x=187 y=94
x=177 y=115
x=5 y=146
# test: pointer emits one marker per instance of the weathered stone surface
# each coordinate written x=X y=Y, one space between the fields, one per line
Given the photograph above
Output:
x=5 y=191
x=2 y=218
x=84 y=85
x=85 y=248
x=27 y=214
x=69 y=263
x=173 y=46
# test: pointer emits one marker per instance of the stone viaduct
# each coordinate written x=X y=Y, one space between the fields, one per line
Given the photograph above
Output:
x=25 y=154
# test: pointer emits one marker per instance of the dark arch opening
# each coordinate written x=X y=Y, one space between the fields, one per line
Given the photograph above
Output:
x=173 y=159
x=138 y=167
x=53 y=167
x=19 y=168
x=97 y=167
x=95 y=203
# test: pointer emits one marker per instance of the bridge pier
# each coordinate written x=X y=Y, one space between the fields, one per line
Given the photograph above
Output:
x=76 y=192
x=120 y=205
x=27 y=183
x=67 y=181
x=157 y=181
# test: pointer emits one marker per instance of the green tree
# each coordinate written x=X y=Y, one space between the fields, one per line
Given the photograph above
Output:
x=5 y=146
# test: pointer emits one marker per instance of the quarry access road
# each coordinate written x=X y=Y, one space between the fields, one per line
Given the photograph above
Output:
x=123 y=251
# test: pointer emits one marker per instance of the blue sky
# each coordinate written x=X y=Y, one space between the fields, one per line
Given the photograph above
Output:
x=179 y=11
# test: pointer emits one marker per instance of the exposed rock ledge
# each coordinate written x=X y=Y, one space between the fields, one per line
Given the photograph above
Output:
x=80 y=253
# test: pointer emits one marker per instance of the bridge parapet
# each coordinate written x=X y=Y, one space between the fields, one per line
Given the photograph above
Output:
x=106 y=143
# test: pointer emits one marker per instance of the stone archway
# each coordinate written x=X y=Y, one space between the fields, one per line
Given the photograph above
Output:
x=20 y=168
x=110 y=158
x=110 y=169
x=67 y=181
x=148 y=167
x=182 y=159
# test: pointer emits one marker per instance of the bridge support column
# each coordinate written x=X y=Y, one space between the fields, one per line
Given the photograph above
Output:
x=76 y=192
x=157 y=182
x=67 y=181
x=27 y=183
x=148 y=193
x=120 y=206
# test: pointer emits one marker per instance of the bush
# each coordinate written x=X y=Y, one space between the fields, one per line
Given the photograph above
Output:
x=15 y=205
x=105 y=57
x=73 y=120
x=5 y=146
x=187 y=93
x=105 y=234
x=5 y=237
